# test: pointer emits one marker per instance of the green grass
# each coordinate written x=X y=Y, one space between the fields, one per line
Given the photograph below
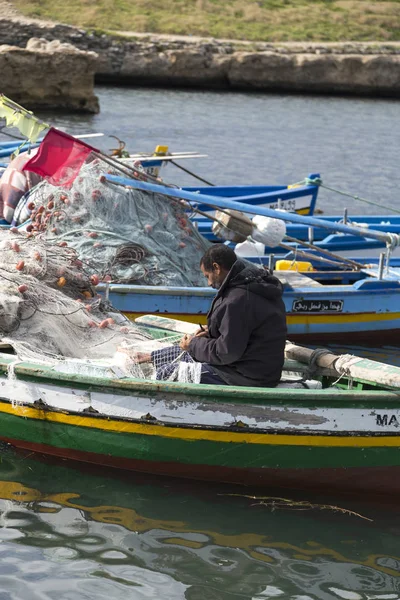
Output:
x=263 y=20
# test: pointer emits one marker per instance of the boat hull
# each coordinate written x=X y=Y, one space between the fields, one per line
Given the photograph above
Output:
x=363 y=328
x=352 y=480
x=344 y=314
x=300 y=440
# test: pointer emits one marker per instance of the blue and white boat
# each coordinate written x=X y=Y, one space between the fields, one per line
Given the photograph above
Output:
x=324 y=306
x=300 y=198
x=345 y=302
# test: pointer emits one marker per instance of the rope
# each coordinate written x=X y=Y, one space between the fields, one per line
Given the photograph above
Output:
x=331 y=189
x=343 y=364
x=341 y=259
x=312 y=366
x=304 y=254
x=318 y=181
x=192 y=174
x=307 y=181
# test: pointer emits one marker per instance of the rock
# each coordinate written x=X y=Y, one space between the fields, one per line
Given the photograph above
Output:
x=49 y=74
x=334 y=73
x=43 y=45
x=176 y=67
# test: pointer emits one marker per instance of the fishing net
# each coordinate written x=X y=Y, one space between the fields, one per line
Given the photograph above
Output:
x=50 y=313
x=122 y=234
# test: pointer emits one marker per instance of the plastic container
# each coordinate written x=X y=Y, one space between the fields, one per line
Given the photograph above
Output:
x=293 y=265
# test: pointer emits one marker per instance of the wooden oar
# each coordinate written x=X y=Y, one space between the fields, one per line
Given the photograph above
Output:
x=239 y=203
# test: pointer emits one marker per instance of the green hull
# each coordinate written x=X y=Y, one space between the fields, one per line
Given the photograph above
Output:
x=236 y=461
x=298 y=438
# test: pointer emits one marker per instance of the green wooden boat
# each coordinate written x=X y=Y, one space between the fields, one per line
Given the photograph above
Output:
x=342 y=434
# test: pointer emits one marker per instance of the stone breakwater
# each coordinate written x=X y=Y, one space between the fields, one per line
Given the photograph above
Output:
x=49 y=75
x=371 y=69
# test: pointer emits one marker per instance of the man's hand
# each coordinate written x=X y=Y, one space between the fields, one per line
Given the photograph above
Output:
x=185 y=341
x=201 y=332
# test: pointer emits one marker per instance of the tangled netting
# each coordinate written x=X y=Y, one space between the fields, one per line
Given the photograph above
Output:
x=123 y=234
x=50 y=313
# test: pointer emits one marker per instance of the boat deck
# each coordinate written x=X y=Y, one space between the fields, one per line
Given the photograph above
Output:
x=295 y=279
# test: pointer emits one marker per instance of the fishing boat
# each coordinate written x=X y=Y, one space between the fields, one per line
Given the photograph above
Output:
x=341 y=302
x=136 y=235
x=325 y=306
x=346 y=301
x=300 y=197
x=321 y=239
x=335 y=429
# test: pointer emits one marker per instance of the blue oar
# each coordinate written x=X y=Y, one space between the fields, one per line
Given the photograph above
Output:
x=14 y=143
x=389 y=238
x=9 y=150
x=17 y=143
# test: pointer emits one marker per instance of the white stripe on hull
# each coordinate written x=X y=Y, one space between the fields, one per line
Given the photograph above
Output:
x=203 y=413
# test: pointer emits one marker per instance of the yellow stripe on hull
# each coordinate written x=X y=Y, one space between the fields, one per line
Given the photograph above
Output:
x=342 y=318
x=188 y=434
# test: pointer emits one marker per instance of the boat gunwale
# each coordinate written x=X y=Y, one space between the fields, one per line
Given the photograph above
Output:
x=193 y=392
x=375 y=287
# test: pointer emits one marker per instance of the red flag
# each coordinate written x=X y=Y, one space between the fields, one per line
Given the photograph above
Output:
x=59 y=158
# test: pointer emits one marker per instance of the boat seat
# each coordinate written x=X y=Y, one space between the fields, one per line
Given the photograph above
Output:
x=392 y=274
x=295 y=279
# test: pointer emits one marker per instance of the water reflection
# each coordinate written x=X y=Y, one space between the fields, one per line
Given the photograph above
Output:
x=68 y=533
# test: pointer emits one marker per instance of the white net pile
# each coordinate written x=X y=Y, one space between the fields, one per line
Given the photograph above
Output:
x=163 y=361
x=123 y=234
x=50 y=313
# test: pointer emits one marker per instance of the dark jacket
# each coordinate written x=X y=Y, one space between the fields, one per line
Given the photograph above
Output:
x=246 y=329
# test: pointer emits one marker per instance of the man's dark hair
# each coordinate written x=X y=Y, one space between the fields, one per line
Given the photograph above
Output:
x=220 y=254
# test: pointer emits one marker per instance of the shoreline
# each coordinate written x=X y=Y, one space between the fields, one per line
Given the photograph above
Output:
x=127 y=58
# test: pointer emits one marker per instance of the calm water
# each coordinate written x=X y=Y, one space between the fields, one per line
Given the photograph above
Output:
x=257 y=138
x=67 y=534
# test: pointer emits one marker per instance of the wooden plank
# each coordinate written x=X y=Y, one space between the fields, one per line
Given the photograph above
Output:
x=149 y=157
x=392 y=274
x=296 y=279
x=166 y=323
